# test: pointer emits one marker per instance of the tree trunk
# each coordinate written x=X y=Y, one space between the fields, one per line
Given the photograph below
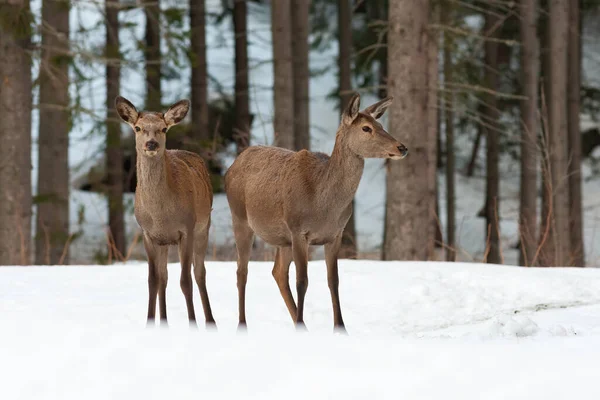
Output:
x=409 y=198
x=114 y=153
x=199 y=95
x=529 y=107
x=432 y=124
x=555 y=237
x=15 y=133
x=242 y=94
x=491 y=114
x=349 y=247
x=283 y=95
x=52 y=227
x=475 y=150
x=449 y=123
x=577 y=254
x=301 y=55
x=152 y=56
x=545 y=248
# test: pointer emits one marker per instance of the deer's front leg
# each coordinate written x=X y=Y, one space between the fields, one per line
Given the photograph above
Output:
x=300 y=253
x=331 y=259
x=154 y=253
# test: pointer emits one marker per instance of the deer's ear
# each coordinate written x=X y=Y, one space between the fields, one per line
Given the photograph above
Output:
x=378 y=109
x=176 y=113
x=351 y=111
x=126 y=110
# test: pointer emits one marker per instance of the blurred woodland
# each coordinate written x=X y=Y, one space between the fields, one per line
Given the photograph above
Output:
x=481 y=89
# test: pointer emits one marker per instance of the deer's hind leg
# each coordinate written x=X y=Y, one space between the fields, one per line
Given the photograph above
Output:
x=200 y=246
x=281 y=273
x=186 y=252
x=244 y=236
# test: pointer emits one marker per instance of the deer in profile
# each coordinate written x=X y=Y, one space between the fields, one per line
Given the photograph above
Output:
x=295 y=199
x=173 y=201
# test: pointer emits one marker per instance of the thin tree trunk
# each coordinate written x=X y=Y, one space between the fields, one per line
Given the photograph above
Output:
x=558 y=234
x=545 y=247
x=52 y=226
x=199 y=95
x=475 y=150
x=529 y=107
x=114 y=153
x=432 y=124
x=408 y=197
x=242 y=94
x=152 y=56
x=349 y=247
x=301 y=55
x=15 y=133
x=283 y=95
x=574 y=87
x=492 y=209
x=449 y=123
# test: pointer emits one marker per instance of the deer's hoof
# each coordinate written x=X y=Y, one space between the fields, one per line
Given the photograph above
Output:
x=301 y=327
x=211 y=325
x=340 y=330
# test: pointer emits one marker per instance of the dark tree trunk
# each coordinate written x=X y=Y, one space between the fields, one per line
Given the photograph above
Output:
x=283 y=88
x=554 y=238
x=300 y=51
x=492 y=209
x=409 y=198
x=199 y=95
x=152 y=56
x=545 y=250
x=432 y=125
x=475 y=150
x=114 y=153
x=15 y=133
x=577 y=255
x=242 y=94
x=349 y=247
x=529 y=108
x=449 y=117
x=52 y=226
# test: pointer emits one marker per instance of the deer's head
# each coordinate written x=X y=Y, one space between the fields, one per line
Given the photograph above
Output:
x=150 y=128
x=365 y=136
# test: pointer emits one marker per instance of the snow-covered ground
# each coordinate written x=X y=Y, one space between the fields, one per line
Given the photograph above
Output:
x=416 y=331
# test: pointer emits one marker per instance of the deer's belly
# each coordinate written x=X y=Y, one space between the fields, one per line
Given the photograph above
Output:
x=275 y=234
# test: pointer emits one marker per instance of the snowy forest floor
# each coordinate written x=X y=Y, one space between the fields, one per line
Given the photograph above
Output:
x=416 y=331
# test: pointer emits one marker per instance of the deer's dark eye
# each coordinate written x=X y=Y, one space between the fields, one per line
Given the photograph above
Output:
x=137 y=129
x=164 y=130
x=367 y=129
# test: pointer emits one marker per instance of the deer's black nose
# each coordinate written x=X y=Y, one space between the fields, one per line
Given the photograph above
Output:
x=402 y=148
x=152 y=145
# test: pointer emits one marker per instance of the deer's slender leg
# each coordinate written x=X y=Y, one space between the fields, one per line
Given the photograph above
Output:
x=152 y=279
x=157 y=273
x=300 y=254
x=243 y=240
x=163 y=277
x=281 y=273
x=200 y=245
x=186 y=252
x=331 y=258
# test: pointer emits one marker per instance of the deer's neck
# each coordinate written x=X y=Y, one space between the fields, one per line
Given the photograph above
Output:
x=152 y=175
x=343 y=172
